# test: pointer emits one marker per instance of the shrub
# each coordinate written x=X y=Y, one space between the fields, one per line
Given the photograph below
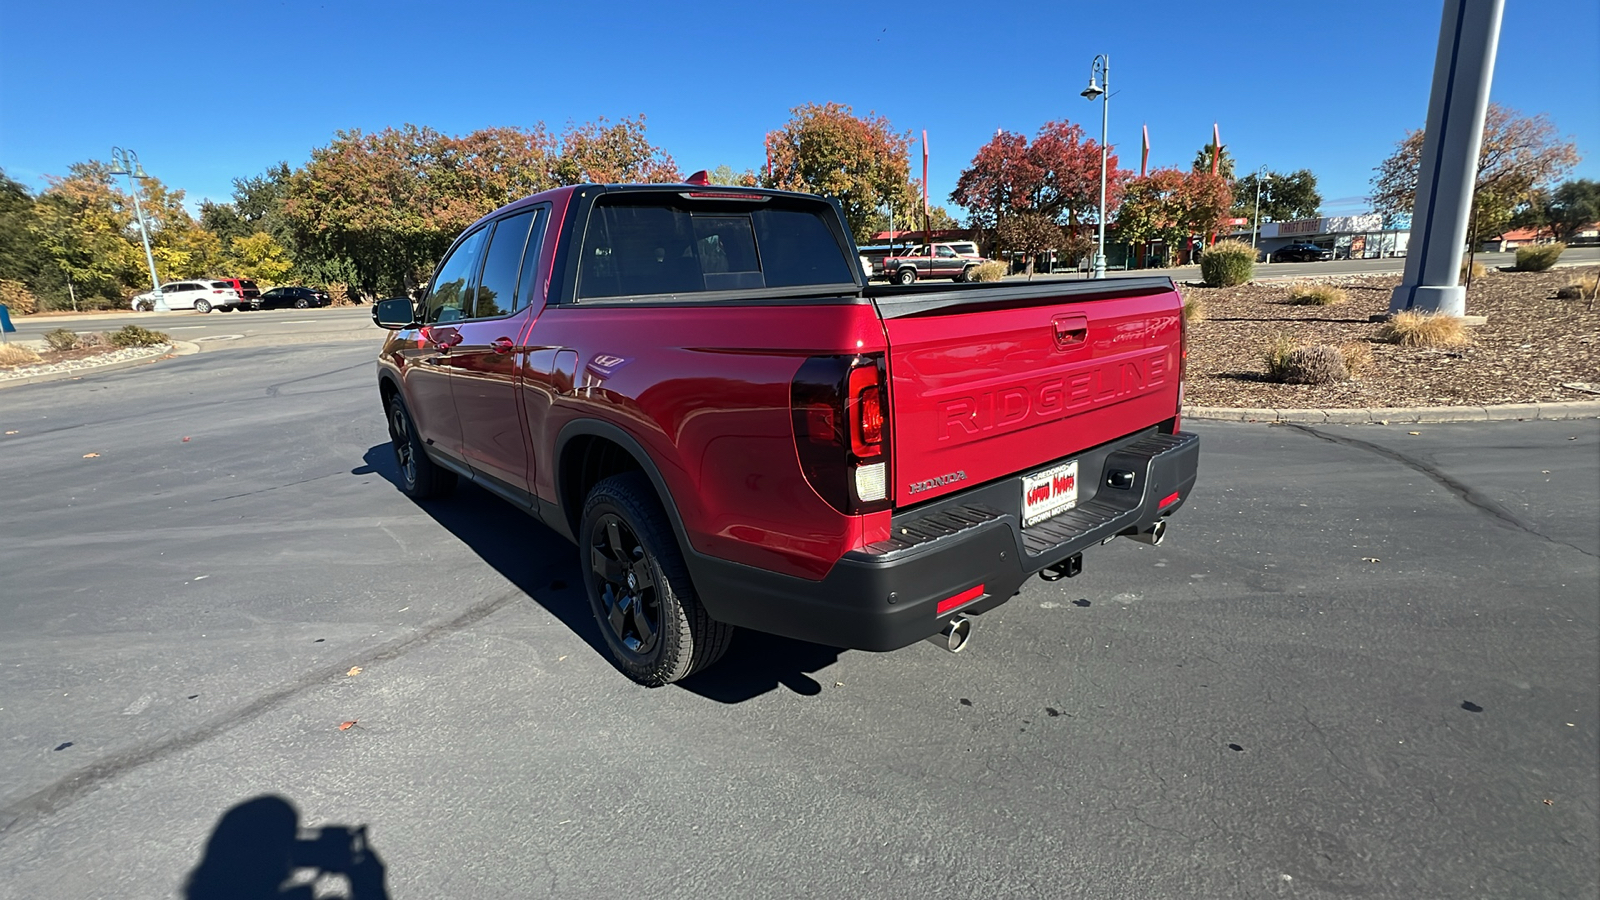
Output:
x=1228 y=263
x=1317 y=295
x=1416 y=329
x=993 y=270
x=1585 y=288
x=134 y=336
x=92 y=340
x=1316 y=364
x=1477 y=270
x=61 y=339
x=16 y=355
x=1357 y=358
x=17 y=298
x=1194 y=310
x=1538 y=257
x=1277 y=353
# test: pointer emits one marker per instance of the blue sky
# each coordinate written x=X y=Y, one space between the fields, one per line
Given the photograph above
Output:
x=207 y=92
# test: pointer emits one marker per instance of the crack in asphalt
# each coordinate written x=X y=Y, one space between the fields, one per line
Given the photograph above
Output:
x=1462 y=491
x=272 y=389
x=74 y=785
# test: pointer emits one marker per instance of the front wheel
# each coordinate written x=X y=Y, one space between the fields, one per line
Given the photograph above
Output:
x=639 y=587
x=905 y=276
x=202 y=306
x=420 y=477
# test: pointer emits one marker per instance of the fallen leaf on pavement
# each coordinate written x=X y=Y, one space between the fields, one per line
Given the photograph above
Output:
x=1549 y=803
x=11 y=432
x=1370 y=559
x=346 y=726
x=354 y=670
x=186 y=440
x=1413 y=432
x=90 y=455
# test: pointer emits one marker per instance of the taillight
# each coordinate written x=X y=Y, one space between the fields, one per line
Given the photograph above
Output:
x=839 y=406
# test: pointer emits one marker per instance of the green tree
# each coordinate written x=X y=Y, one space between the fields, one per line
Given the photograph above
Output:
x=1029 y=234
x=21 y=257
x=724 y=174
x=1202 y=160
x=85 y=227
x=1569 y=208
x=260 y=258
x=1284 y=197
x=1520 y=156
x=598 y=153
x=1172 y=206
x=859 y=161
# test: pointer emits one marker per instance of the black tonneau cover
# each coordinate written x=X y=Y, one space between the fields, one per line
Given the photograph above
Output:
x=898 y=301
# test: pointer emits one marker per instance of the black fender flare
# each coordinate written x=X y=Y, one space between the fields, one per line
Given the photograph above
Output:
x=615 y=434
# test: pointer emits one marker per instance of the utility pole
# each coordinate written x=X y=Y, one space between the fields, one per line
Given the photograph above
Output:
x=120 y=165
x=1463 y=68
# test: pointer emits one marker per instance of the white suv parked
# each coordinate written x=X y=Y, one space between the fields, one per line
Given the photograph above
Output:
x=200 y=295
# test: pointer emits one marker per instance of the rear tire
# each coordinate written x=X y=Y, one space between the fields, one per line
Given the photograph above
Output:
x=146 y=306
x=905 y=276
x=420 y=477
x=639 y=588
x=966 y=275
x=202 y=306
x=301 y=303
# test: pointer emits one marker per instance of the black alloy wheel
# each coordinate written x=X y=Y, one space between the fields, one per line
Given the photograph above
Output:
x=639 y=587
x=420 y=477
x=627 y=585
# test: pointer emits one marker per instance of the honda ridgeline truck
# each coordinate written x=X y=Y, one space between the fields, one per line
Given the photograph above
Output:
x=695 y=385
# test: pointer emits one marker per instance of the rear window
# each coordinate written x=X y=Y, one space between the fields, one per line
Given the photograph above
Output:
x=222 y=284
x=246 y=283
x=661 y=244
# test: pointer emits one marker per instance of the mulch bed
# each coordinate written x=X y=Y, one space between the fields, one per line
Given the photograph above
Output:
x=1531 y=345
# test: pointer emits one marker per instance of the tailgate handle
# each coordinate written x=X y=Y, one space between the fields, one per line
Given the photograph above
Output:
x=1070 y=331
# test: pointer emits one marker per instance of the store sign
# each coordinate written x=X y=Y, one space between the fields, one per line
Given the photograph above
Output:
x=1301 y=226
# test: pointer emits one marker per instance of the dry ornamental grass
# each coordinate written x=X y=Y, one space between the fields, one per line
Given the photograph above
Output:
x=1531 y=345
x=1305 y=294
x=1415 y=329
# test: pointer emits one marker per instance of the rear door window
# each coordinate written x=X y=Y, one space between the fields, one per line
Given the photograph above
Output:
x=497 y=293
x=643 y=245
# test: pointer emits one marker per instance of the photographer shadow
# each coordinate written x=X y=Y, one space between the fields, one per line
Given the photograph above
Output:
x=545 y=566
x=257 y=850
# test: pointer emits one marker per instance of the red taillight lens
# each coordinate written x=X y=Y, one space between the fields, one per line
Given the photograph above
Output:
x=839 y=406
x=866 y=411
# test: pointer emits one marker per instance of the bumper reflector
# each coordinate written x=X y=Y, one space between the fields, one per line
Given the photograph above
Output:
x=960 y=599
x=1168 y=500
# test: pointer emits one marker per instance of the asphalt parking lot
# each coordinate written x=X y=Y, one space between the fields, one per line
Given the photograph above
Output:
x=1364 y=663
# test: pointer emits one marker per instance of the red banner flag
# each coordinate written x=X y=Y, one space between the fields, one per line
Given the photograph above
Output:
x=1216 y=148
x=924 y=171
x=1144 y=158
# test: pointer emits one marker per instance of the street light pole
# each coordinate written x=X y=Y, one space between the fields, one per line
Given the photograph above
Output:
x=126 y=162
x=1102 y=68
x=1261 y=175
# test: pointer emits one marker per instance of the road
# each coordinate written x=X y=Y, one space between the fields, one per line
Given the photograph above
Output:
x=273 y=326
x=1363 y=664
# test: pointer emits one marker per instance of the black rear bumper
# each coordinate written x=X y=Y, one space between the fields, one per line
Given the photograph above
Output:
x=971 y=543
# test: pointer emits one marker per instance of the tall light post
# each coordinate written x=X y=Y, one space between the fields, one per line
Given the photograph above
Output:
x=1102 y=90
x=1261 y=175
x=126 y=162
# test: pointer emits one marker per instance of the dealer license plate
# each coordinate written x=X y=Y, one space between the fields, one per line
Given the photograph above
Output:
x=1049 y=493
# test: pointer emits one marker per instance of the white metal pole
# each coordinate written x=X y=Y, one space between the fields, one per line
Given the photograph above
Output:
x=1105 y=117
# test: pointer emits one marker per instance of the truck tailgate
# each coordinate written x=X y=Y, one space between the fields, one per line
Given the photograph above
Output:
x=987 y=383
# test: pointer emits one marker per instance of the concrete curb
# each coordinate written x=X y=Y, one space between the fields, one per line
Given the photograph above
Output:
x=1409 y=415
x=179 y=348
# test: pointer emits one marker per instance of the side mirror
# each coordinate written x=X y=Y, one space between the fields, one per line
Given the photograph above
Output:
x=394 y=314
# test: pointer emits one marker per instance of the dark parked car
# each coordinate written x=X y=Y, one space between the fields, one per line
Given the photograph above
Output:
x=1301 y=253
x=297 y=297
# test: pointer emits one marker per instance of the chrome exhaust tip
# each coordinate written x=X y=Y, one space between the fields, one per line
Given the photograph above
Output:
x=954 y=635
x=1152 y=535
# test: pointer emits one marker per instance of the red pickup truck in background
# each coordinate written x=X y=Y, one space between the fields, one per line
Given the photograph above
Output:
x=694 y=385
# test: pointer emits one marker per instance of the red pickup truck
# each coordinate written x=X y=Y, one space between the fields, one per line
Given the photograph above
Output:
x=694 y=385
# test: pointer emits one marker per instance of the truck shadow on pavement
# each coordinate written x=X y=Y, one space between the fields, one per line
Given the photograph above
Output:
x=545 y=566
x=259 y=850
